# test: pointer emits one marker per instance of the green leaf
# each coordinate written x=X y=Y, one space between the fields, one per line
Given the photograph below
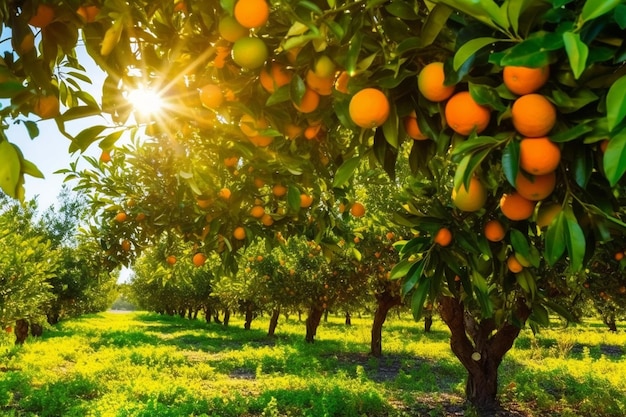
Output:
x=481 y=291
x=435 y=22
x=510 y=161
x=486 y=96
x=413 y=276
x=354 y=48
x=614 y=159
x=109 y=140
x=616 y=103
x=555 y=239
x=80 y=112
x=32 y=128
x=281 y=95
x=346 y=171
x=520 y=243
x=28 y=168
x=468 y=49
x=540 y=315
x=574 y=239
x=401 y=269
x=9 y=89
x=402 y=10
x=533 y=52
x=419 y=296
x=485 y=11
x=293 y=198
x=596 y=8
x=577 y=52
x=85 y=138
x=390 y=128
x=10 y=168
x=575 y=132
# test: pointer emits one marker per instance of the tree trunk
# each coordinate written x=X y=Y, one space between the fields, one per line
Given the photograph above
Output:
x=348 y=319
x=249 y=316
x=207 y=314
x=428 y=322
x=299 y=315
x=479 y=349
x=610 y=322
x=21 y=331
x=273 y=321
x=216 y=317
x=36 y=329
x=195 y=313
x=385 y=302
x=325 y=316
x=226 y=317
x=53 y=317
x=313 y=322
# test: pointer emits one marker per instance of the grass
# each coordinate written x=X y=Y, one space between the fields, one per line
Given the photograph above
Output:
x=141 y=364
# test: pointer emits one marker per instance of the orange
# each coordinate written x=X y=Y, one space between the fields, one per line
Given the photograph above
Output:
x=412 y=128
x=231 y=161
x=225 y=194
x=180 y=6
x=105 y=156
x=464 y=115
x=603 y=145
x=618 y=256
x=305 y=200
x=357 y=209
x=279 y=190
x=239 y=233
x=443 y=237
x=249 y=53
x=292 y=131
x=258 y=182
x=494 y=230
x=250 y=126
x=369 y=108
x=321 y=85
x=324 y=67
x=470 y=200
x=171 y=259
x=211 y=96
x=199 y=259
x=47 y=107
x=261 y=141
x=309 y=102
x=516 y=207
x=257 y=212
x=525 y=80
x=533 y=115
x=341 y=83
x=203 y=203
x=430 y=83
x=125 y=245
x=546 y=213
x=121 y=217
x=267 y=220
x=513 y=264
x=276 y=77
x=230 y=29
x=43 y=17
x=539 y=155
x=312 y=131
x=88 y=13
x=537 y=187
x=140 y=217
x=252 y=13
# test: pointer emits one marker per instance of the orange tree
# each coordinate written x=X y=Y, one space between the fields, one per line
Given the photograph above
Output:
x=344 y=76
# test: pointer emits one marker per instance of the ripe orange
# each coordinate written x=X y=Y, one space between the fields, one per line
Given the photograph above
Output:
x=230 y=29
x=171 y=259
x=211 y=96
x=516 y=207
x=140 y=217
x=494 y=230
x=430 y=82
x=322 y=86
x=470 y=200
x=125 y=245
x=231 y=161
x=546 y=213
x=539 y=155
x=533 y=115
x=537 y=187
x=225 y=194
x=42 y=17
x=88 y=13
x=464 y=115
x=276 y=77
x=341 y=83
x=203 y=203
x=369 y=108
x=121 y=217
x=47 y=107
x=443 y=237
x=239 y=233
x=199 y=259
x=525 y=80
x=292 y=131
x=261 y=141
x=305 y=200
x=279 y=190
x=412 y=128
x=357 y=209
x=513 y=264
x=258 y=182
x=252 y=13
x=251 y=126
x=312 y=131
x=618 y=256
x=309 y=102
x=105 y=156
x=249 y=53
x=603 y=145
x=257 y=212
x=267 y=220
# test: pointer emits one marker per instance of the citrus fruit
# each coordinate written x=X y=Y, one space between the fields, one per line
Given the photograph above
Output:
x=47 y=107
x=211 y=96
x=341 y=83
x=171 y=259
x=471 y=199
x=121 y=217
x=324 y=67
x=603 y=145
x=618 y=256
x=274 y=78
x=251 y=126
x=516 y=207
x=42 y=17
x=267 y=220
x=309 y=101
x=292 y=131
x=430 y=82
x=546 y=213
x=261 y=141
x=539 y=155
x=88 y=13
x=230 y=29
x=513 y=264
x=252 y=13
x=199 y=259
x=533 y=115
x=279 y=190
x=305 y=200
x=249 y=53
x=494 y=230
x=443 y=237
x=357 y=209
x=125 y=245
x=412 y=128
x=369 y=108
x=231 y=161
x=105 y=156
x=322 y=86
x=525 y=80
x=535 y=187
x=225 y=194
x=239 y=233
x=257 y=212
x=464 y=115
x=140 y=217
x=203 y=203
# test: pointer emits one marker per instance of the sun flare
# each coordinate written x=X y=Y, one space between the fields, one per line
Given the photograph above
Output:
x=145 y=101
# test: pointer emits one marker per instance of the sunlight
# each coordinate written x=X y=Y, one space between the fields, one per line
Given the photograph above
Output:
x=145 y=101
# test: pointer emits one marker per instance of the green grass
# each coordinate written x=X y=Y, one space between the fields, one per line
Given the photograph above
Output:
x=141 y=364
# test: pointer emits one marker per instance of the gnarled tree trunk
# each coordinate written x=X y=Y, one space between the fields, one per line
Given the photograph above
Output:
x=249 y=315
x=226 y=317
x=273 y=321
x=386 y=301
x=313 y=322
x=480 y=347
x=21 y=331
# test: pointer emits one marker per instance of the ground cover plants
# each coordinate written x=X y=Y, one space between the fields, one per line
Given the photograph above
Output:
x=141 y=364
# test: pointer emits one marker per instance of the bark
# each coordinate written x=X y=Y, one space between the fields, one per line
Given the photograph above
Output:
x=195 y=313
x=53 y=317
x=226 y=317
x=216 y=317
x=273 y=321
x=386 y=301
x=207 y=314
x=480 y=347
x=325 y=316
x=190 y=313
x=249 y=315
x=21 y=331
x=313 y=322
x=610 y=323
x=348 y=319
x=428 y=323
x=36 y=329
